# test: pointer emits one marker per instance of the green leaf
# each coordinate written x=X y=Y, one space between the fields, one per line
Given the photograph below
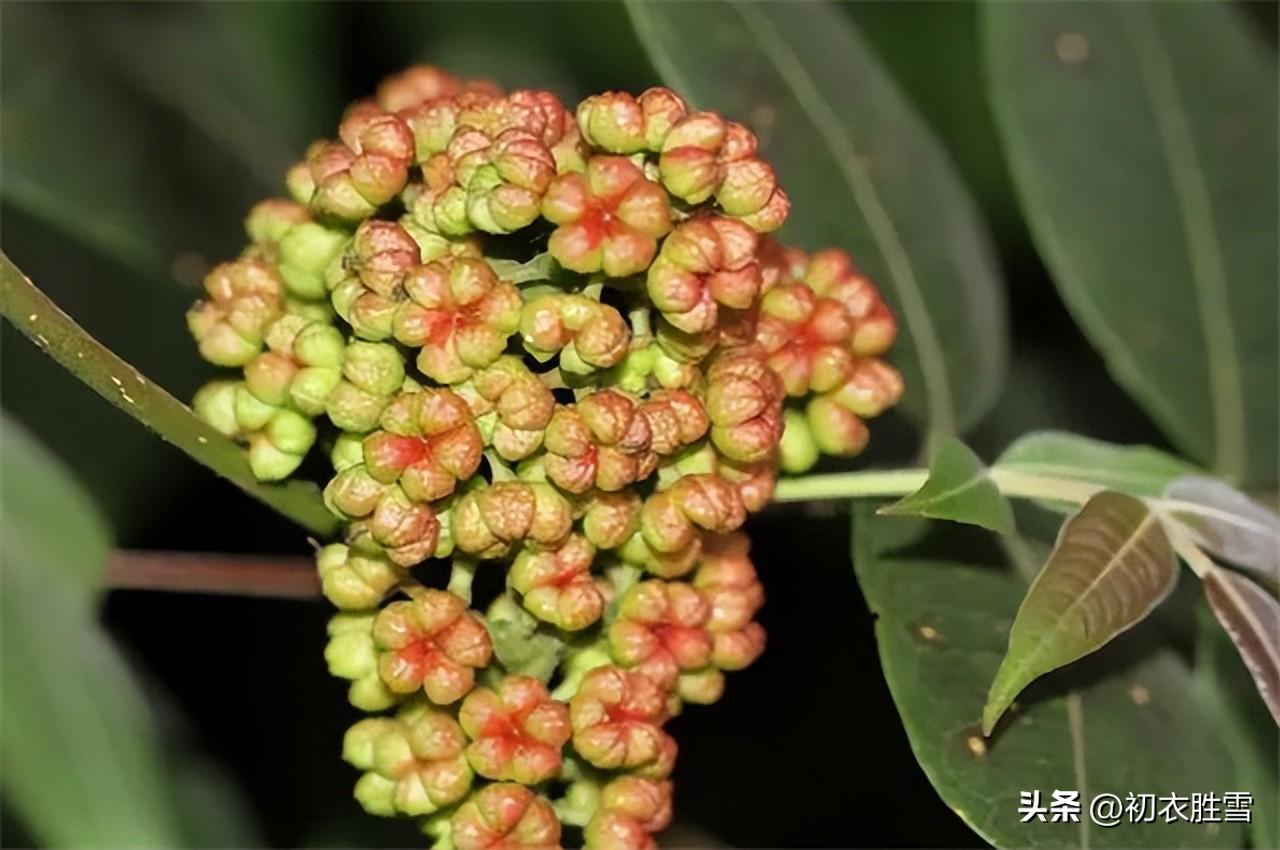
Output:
x=1111 y=565
x=83 y=165
x=265 y=105
x=1251 y=617
x=1227 y=523
x=518 y=644
x=1224 y=687
x=81 y=764
x=1120 y=721
x=40 y=320
x=1146 y=164
x=864 y=174
x=958 y=489
x=1136 y=470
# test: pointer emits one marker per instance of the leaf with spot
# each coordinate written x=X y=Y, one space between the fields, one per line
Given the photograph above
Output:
x=1111 y=566
x=1251 y=616
x=520 y=647
x=1136 y=470
x=864 y=174
x=959 y=489
x=1227 y=523
x=1146 y=165
x=1105 y=724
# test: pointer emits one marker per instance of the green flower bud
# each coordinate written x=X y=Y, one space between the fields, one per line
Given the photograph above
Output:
x=351 y=654
x=304 y=252
x=414 y=764
x=351 y=580
x=798 y=451
x=589 y=335
x=487 y=522
x=245 y=297
x=215 y=404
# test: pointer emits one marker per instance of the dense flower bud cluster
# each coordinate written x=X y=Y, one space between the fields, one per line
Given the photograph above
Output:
x=559 y=348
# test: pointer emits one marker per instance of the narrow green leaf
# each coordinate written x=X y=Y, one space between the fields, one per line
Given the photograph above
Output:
x=1225 y=688
x=1227 y=523
x=81 y=766
x=1251 y=616
x=1111 y=565
x=1122 y=720
x=864 y=173
x=1136 y=470
x=1147 y=167
x=958 y=489
x=40 y=320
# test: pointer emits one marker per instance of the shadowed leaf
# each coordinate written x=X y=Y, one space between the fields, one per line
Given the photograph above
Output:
x=958 y=489
x=1251 y=616
x=864 y=174
x=1111 y=565
x=519 y=646
x=1227 y=523
x=943 y=601
x=1146 y=165
x=1136 y=470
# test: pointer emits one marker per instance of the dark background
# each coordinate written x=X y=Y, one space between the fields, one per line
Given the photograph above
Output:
x=806 y=748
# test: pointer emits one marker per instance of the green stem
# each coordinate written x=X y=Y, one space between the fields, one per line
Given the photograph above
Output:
x=57 y=335
x=900 y=482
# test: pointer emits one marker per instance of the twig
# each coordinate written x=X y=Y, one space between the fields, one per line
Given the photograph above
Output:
x=274 y=576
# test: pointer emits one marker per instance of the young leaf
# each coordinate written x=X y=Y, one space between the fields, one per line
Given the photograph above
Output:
x=517 y=643
x=958 y=489
x=1136 y=470
x=40 y=320
x=1124 y=718
x=1147 y=167
x=864 y=174
x=1251 y=616
x=1111 y=565
x=81 y=765
x=1227 y=523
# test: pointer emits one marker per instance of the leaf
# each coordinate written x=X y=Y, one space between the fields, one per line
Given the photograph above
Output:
x=1146 y=165
x=864 y=174
x=1120 y=721
x=1251 y=616
x=265 y=106
x=519 y=646
x=81 y=765
x=118 y=206
x=40 y=320
x=958 y=489
x=1111 y=565
x=1225 y=688
x=1227 y=523
x=1136 y=470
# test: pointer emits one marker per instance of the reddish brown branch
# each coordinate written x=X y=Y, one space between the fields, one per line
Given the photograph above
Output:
x=281 y=577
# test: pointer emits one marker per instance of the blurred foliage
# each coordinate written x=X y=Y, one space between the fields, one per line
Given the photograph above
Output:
x=135 y=137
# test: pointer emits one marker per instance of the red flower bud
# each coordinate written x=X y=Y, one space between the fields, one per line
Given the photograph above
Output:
x=610 y=217
x=632 y=808
x=602 y=441
x=511 y=405
x=460 y=314
x=488 y=521
x=556 y=584
x=589 y=335
x=517 y=731
x=744 y=401
x=245 y=297
x=705 y=262
x=505 y=816
x=661 y=631
x=617 y=718
x=432 y=643
x=429 y=443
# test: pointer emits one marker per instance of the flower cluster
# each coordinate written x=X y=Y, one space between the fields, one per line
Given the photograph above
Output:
x=591 y=408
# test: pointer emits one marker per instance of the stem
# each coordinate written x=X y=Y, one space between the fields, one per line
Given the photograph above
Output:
x=460 y=577
x=900 y=482
x=57 y=335
x=850 y=485
x=1200 y=563
x=207 y=572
